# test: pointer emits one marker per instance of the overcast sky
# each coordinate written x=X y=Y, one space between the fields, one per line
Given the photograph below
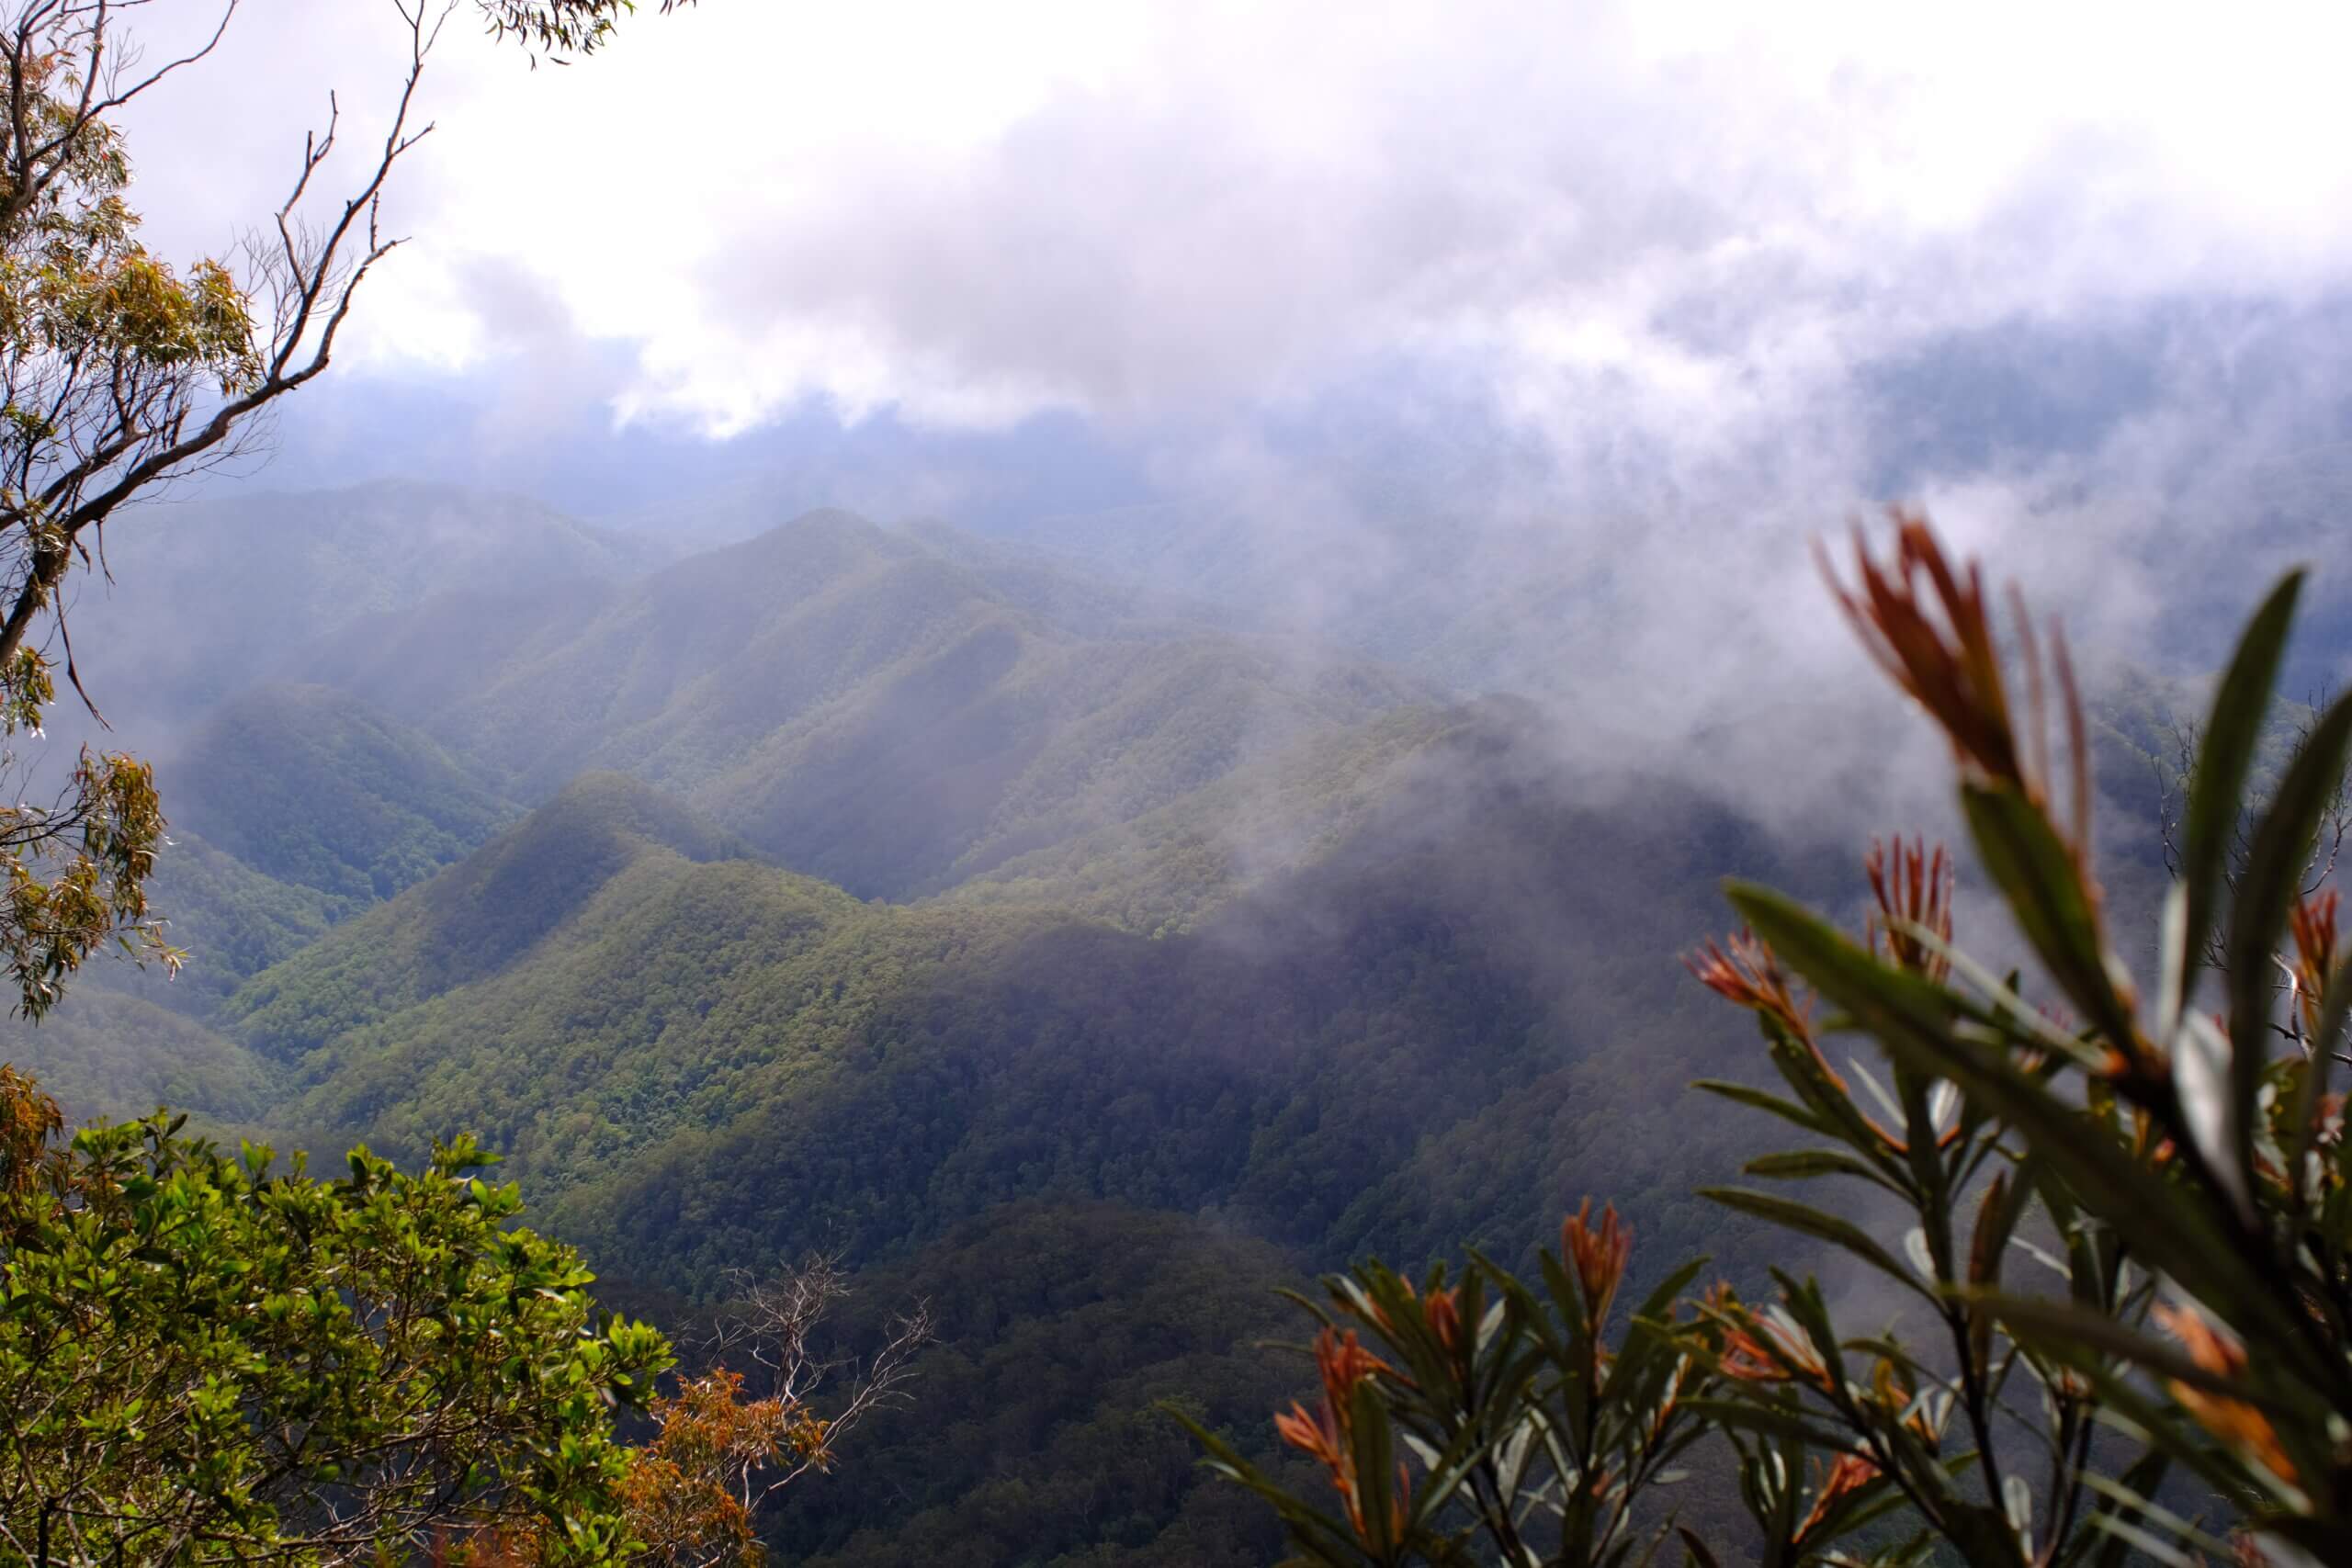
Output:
x=1642 y=295
x=1144 y=211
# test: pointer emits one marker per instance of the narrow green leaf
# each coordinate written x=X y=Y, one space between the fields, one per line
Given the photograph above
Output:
x=1801 y=1067
x=2272 y=881
x=1792 y=1215
x=1804 y=1165
x=2141 y=1499
x=1222 y=1458
x=1768 y=1421
x=2132 y=1535
x=1655 y=1306
x=2224 y=760
x=1375 y=1454
x=1758 y=1100
x=2026 y=859
x=2121 y=1499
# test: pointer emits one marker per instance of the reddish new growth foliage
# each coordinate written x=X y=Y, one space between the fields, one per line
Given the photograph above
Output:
x=688 y=1492
x=2313 y=921
x=1848 y=1476
x=1441 y=1311
x=1944 y=657
x=688 y=1495
x=1742 y=970
x=1929 y=628
x=1913 y=889
x=1327 y=1434
x=2232 y=1420
x=1598 y=1256
x=1444 y=1312
x=1757 y=1349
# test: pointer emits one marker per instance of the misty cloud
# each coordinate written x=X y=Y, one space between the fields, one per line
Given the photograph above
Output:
x=1146 y=210
x=1525 y=345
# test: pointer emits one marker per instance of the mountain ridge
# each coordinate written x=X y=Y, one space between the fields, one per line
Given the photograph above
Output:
x=865 y=708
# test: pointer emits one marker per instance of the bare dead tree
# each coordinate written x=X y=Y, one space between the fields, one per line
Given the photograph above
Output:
x=774 y=1324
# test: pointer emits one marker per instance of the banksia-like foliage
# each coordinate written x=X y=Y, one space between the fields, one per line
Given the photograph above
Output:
x=1847 y=1476
x=1327 y=1435
x=1600 y=1255
x=1742 y=970
x=1929 y=627
x=1913 y=890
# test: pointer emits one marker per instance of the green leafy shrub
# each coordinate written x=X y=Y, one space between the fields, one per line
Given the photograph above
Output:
x=205 y=1359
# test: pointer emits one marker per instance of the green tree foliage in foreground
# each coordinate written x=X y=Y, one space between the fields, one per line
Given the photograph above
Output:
x=2123 y=1227
x=204 y=1359
x=201 y=1359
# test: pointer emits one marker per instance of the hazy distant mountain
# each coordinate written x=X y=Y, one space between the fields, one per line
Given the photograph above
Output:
x=875 y=707
x=214 y=595
x=112 y=1051
x=1170 y=867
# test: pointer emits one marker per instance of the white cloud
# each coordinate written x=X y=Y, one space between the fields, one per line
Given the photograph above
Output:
x=973 y=213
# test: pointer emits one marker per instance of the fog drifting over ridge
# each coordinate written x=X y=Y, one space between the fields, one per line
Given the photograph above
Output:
x=1523 y=342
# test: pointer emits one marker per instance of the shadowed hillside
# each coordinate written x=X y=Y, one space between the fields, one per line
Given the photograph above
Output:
x=533 y=881
x=310 y=786
x=1036 y=1434
x=696 y=1059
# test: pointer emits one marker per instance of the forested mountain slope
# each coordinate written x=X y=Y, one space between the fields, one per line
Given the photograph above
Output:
x=113 y=1051
x=866 y=707
x=1449 y=1021
x=310 y=786
x=535 y=882
x=1170 y=866
x=1444 y=1013
x=695 y=1058
x=1035 y=1436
